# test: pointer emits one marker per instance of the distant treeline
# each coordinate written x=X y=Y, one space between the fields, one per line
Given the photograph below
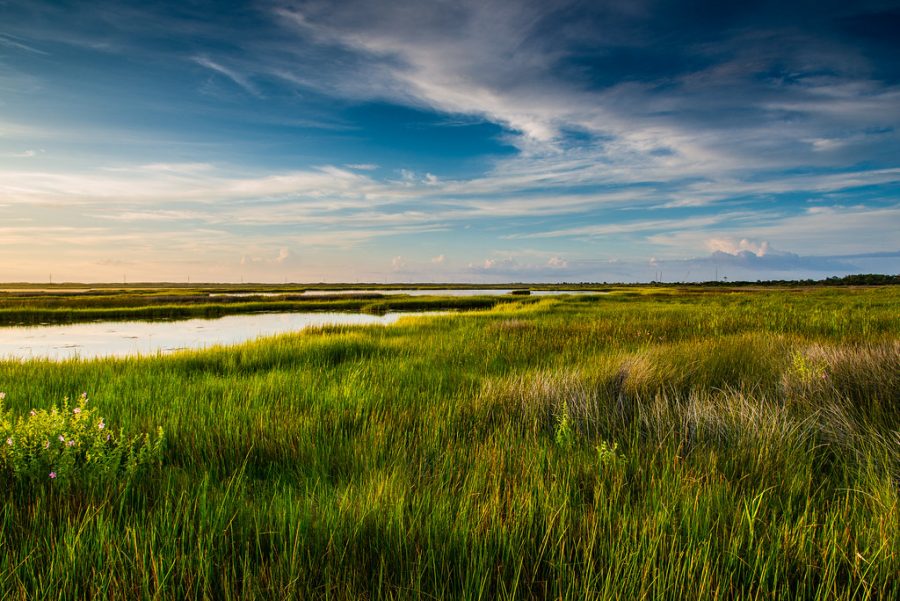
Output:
x=860 y=279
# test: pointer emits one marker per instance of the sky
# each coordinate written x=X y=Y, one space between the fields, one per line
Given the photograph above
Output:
x=437 y=141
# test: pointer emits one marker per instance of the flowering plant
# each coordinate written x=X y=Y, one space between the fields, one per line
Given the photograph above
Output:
x=66 y=444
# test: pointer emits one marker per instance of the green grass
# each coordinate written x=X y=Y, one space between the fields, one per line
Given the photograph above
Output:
x=426 y=459
x=22 y=308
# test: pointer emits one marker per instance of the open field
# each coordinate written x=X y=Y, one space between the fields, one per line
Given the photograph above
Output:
x=648 y=443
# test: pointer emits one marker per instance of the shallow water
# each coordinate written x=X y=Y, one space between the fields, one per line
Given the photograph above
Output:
x=411 y=292
x=126 y=338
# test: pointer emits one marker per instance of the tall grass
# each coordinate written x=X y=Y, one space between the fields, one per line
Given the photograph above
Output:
x=423 y=460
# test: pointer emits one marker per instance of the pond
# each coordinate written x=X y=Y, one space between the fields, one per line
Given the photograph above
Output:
x=127 y=338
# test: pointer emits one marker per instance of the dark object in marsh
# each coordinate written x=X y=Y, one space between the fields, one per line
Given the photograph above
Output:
x=524 y=292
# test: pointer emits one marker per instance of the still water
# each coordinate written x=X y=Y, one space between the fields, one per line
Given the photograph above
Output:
x=411 y=292
x=124 y=338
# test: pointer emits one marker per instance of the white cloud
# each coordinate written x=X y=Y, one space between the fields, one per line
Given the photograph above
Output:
x=25 y=154
x=557 y=262
x=733 y=247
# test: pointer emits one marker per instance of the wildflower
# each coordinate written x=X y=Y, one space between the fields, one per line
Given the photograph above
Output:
x=84 y=395
x=46 y=444
x=71 y=443
x=9 y=441
x=101 y=425
x=2 y=395
x=62 y=438
x=107 y=437
x=32 y=413
x=76 y=410
x=53 y=475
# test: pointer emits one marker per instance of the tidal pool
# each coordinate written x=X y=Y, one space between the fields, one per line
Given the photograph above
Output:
x=127 y=338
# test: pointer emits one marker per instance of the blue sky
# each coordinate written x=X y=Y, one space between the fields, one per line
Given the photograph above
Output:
x=480 y=141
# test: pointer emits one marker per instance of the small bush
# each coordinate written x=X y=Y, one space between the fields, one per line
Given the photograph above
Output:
x=71 y=445
x=565 y=433
x=608 y=456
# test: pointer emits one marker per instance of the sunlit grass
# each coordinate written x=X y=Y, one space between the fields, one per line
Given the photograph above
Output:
x=703 y=455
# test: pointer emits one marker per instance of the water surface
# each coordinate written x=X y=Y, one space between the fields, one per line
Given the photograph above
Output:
x=124 y=338
x=410 y=292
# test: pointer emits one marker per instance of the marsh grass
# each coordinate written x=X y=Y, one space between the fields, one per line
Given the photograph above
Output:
x=704 y=456
x=48 y=309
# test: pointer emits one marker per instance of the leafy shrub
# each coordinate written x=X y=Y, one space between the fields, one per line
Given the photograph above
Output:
x=71 y=445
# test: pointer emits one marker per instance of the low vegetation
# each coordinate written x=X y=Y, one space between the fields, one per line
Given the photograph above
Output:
x=659 y=444
x=23 y=307
x=72 y=446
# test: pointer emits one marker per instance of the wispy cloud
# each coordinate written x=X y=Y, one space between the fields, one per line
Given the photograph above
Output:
x=676 y=224
x=17 y=44
x=238 y=78
x=819 y=230
x=25 y=154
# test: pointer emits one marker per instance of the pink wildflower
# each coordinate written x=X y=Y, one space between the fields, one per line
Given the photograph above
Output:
x=62 y=438
x=84 y=395
x=53 y=475
x=9 y=441
x=101 y=425
x=71 y=443
x=32 y=413
x=2 y=395
x=76 y=410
